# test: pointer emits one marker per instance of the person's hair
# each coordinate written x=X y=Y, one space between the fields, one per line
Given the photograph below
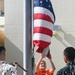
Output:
x=2 y=48
x=43 y=61
x=69 y=52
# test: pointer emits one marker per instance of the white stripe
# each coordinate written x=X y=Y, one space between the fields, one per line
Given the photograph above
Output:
x=42 y=37
x=44 y=11
x=46 y=50
x=43 y=23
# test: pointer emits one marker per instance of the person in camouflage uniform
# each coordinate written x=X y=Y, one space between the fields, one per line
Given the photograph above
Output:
x=5 y=68
x=69 y=56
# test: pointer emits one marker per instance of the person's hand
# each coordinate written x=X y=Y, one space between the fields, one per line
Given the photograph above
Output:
x=15 y=64
x=43 y=55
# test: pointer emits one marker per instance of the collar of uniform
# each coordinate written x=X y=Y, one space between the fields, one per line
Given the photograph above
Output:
x=1 y=62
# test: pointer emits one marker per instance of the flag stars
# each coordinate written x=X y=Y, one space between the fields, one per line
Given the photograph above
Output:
x=46 y=0
x=40 y=1
x=34 y=2
x=49 y=6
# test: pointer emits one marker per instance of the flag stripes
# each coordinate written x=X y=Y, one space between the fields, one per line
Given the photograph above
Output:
x=43 y=23
x=44 y=11
x=43 y=31
x=44 y=19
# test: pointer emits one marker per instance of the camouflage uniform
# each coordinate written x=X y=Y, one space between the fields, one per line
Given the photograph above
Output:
x=69 y=69
x=7 y=69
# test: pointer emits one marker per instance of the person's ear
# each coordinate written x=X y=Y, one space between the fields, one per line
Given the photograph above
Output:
x=4 y=53
x=65 y=58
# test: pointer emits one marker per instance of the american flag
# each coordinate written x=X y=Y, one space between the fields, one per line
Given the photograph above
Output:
x=44 y=19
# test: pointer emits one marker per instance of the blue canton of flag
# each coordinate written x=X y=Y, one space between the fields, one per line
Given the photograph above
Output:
x=45 y=4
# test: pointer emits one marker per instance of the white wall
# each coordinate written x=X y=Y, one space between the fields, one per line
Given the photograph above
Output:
x=2 y=5
x=65 y=18
x=14 y=31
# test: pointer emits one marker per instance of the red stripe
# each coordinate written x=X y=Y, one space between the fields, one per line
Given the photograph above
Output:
x=40 y=43
x=43 y=30
x=48 y=55
x=43 y=17
x=40 y=50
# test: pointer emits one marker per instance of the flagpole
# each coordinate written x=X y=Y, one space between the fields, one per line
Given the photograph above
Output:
x=27 y=36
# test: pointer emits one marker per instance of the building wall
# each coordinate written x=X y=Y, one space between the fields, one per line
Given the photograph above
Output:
x=64 y=11
x=2 y=30
x=14 y=31
x=2 y=5
x=1 y=37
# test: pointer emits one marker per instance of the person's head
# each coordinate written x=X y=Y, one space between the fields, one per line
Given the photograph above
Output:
x=42 y=66
x=2 y=53
x=69 y=54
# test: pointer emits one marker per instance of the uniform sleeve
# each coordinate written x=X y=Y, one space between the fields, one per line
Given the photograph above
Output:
x=59 y=73
x=11 y=70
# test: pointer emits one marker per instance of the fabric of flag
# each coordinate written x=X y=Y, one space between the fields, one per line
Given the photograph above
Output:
x=44 y=19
